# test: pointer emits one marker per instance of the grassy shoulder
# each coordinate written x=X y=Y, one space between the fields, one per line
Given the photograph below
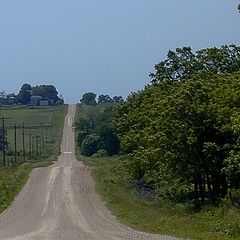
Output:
x=13 y=178
x=219 y=223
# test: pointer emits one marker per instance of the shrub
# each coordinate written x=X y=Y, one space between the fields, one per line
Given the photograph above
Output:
x=90 y=144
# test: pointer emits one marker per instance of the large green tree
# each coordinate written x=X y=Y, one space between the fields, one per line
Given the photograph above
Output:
x=25 y=93
x=46 y=91
x=105 y=99
x=181 y=133
x=183 y=137
x=89 y=98
x=184 y=63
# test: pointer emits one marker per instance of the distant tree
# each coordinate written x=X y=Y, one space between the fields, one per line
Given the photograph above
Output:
x=25 y=93
x=118 y=99
x=105 y=99
x=238 y=7
x=46 y=91
x=3 y=94
x=89 y=99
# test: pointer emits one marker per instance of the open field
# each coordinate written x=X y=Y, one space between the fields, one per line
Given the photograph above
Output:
x=38 y=131
x=45 y=122
x=83 y=110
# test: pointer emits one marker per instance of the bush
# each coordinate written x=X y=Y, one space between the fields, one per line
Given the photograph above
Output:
x=90 y=144
x=102 y=153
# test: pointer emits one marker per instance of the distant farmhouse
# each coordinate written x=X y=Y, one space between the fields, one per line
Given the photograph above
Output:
x=43 y=95
x=39 y=101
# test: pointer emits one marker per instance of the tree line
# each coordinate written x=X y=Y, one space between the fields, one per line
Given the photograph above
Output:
x=32 y=95
x=181 y=134
x=89 y=98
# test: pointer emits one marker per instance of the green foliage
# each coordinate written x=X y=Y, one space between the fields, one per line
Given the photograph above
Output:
x=118 y=99
x=180 y=220
x=81 y=136
x=110 y=141
x=183 y=135
x=234 y=196
x=25 y=94
x=96 y=120
x=183 y=63
x=45 y=122
x=46 y=91
x=89 y=99
x=105 y=99
x=232 y=168
x=90 y=144
x=100 y=153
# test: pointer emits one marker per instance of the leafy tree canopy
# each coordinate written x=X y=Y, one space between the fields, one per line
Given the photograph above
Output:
x=183 y=63
x=182 y=133
x=89 y=99
x=44 y=91
x=105 y=99
x=25 y=93
x=118 y=99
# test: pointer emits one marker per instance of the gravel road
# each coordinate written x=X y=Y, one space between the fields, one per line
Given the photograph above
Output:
x=60 y=202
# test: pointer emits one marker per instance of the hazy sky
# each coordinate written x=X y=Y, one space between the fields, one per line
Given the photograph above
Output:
x=104 y=46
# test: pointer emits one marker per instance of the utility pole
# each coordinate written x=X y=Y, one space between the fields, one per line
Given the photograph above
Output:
x=4 y=140
x=37 y=145
x=42 y=136
x=46 y=135
x=23 y=142
x=40 y=149
x=15 y=143
x=30 y=146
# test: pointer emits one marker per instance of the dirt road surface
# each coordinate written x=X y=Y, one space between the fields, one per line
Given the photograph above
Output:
x=60 y=202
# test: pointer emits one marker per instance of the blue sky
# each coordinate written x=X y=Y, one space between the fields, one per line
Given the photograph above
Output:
x=104 y=46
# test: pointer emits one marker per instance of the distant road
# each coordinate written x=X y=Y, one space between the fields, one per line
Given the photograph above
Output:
x=60 y=202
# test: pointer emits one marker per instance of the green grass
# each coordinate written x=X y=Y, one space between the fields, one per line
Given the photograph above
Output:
x=14 y=176
x=83 y=109
x=213 y=223
x=45 y=122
